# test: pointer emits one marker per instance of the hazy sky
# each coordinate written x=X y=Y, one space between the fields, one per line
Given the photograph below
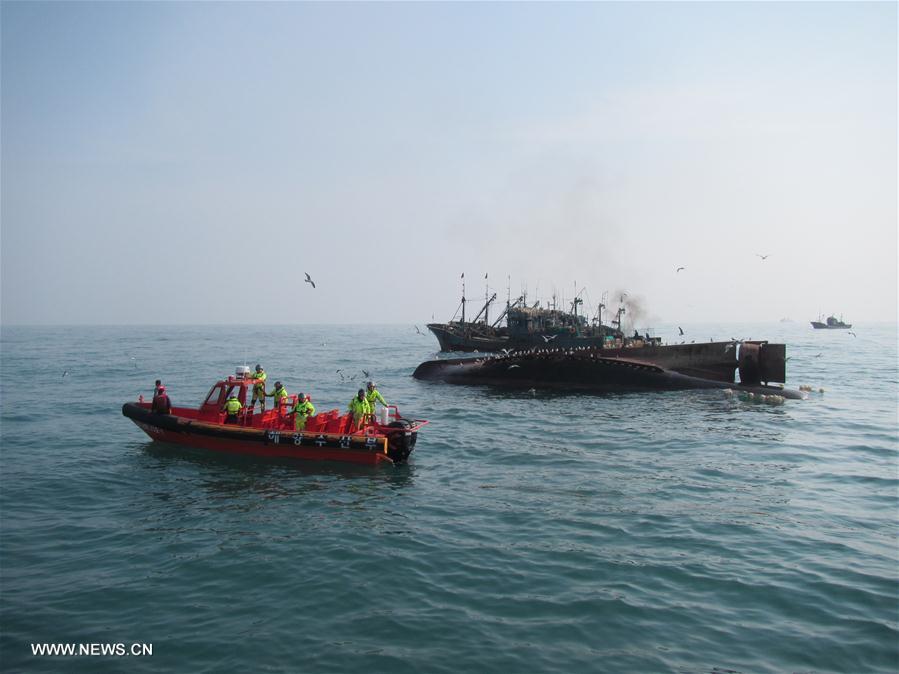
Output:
x=188 y=162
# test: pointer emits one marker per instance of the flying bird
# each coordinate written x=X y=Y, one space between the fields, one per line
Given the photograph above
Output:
x=506 y=351
x=678 y=269
x=65 y=374
x=680 y=329
x=418 y=331
x=852 y=333
x=548 y=339
x=309 y=280
x=367 y=375
x=764 y=257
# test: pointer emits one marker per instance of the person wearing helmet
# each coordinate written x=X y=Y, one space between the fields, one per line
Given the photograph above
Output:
x=161 y=403
x=374 y=396
x=360 y=409
x=279 y=394
x=232 y=408
x=302 y=411
x=157 y=387
x=259 y=388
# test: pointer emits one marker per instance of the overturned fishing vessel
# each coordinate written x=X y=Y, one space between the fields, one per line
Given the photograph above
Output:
x=329 y=436
x=630 y=366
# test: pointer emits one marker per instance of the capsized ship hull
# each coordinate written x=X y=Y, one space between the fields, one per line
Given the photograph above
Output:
x=687 y=366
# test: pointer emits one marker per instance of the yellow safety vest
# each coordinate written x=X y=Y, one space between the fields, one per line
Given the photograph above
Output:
x=304 y=409
x=233 y=406
x=278 y=393
x=358 y=407
x=260 y=383
x=374 y=396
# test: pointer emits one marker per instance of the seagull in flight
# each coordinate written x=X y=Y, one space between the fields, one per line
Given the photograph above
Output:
x=367 y=375
x=548 y=339
x=678 y=269
x=418 y=331
x=852 y=333
x=65 y=374
x=309 y=280
x=764 y=257
x=680 y=329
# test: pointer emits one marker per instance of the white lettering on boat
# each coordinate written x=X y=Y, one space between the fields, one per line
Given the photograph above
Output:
x=275 y=436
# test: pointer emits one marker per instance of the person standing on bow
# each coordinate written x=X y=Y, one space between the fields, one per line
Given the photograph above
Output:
x=232 y=408
x=279 y=394
x=161 y=403
x=259 y=388
x=302 y=411
x=374 y=396
x=360 y=409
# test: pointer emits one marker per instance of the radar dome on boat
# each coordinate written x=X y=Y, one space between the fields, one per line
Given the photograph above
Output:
x=243 y=371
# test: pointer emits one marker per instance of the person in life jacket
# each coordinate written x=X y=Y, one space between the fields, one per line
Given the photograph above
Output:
x=302 y=411
x=359 y=408
x=232 y=408
x=259 y=387
x=374 y=396
x=161 y=403
x=157 y=387
x=279 y=394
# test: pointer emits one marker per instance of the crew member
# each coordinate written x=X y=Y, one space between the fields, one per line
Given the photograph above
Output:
x=302 y=411
x=161 y=403
x=359 y=408
x=259 y=388
x=157 y=387
x=374 y=396
x=279 y=394
x=232 y=408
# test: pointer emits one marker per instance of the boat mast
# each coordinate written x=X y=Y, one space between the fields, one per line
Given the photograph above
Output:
x=463 y=298
x=486 y=301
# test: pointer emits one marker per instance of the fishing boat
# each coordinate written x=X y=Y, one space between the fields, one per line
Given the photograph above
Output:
x=328 y=436
x=527 y=326
x=830 y=324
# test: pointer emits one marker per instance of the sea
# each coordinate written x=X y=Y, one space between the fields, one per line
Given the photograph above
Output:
x=530 y=532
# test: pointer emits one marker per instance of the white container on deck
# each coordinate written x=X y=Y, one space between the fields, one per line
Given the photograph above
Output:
x=385 y=416
x=243 y=372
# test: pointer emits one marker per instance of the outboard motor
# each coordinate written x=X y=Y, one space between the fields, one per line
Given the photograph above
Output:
x=400 y=441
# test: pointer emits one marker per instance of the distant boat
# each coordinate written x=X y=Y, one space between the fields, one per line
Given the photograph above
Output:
x=830 y=324
x=786 y=320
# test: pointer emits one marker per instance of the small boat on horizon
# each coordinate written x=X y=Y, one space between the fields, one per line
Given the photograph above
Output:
x=328 y=436
x=830 y=324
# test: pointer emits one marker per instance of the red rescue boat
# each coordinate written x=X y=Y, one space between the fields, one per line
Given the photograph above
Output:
x=328 y=436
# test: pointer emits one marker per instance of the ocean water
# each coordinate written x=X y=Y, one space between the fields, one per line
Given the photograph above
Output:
x=654 y=532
